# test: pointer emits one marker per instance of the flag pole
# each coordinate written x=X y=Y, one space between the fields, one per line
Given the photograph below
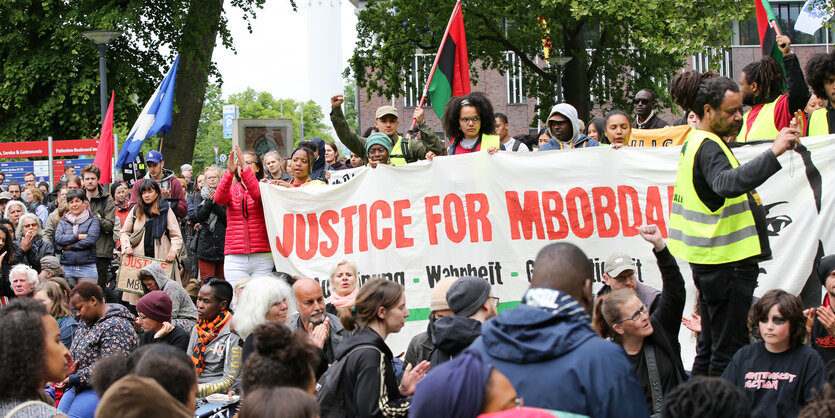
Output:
x=437 y=57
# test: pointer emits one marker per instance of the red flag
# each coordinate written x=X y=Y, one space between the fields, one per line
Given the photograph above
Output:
x=453 y=79
x=104 y=152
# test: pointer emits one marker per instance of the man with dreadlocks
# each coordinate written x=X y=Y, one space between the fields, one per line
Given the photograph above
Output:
x=761 y=86
x=820 y=74
x=717 y=221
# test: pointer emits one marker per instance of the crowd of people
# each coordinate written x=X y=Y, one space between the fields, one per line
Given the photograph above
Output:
x=217 y=331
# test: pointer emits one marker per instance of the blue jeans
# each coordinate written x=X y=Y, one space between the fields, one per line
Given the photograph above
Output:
x=80 y=404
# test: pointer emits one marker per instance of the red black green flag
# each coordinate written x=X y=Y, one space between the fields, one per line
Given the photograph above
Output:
x=768 y=30
x=453 y=79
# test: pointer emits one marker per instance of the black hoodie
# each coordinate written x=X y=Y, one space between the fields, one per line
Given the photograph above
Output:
x=451 y=335
x=364 y=370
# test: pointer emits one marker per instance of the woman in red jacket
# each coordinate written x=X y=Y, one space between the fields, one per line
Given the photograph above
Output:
x=247 y=247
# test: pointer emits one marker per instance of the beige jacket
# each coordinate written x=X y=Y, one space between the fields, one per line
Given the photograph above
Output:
x=172 y=241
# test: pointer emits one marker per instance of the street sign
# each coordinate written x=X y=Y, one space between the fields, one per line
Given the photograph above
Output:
x=230 y=113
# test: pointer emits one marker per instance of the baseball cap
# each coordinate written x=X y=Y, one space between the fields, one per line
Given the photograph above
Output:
x=617 y=263
x=50 y=262
x=153 y=157
x=386 y=110
x=6 y=196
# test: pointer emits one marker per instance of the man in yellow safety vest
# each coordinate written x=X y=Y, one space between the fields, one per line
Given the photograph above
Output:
x=717 y=220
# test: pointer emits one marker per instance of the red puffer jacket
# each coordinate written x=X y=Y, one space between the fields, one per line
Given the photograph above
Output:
x=246 y=230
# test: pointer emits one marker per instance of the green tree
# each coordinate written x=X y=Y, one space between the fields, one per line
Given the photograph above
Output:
x=350 y=105
x=617 y=47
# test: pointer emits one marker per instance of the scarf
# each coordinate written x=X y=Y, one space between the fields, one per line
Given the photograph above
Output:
x=554 y=301
x=159 y=223
x=207 y=331
x=77 y=220
x=347 y=301
x=205 y=193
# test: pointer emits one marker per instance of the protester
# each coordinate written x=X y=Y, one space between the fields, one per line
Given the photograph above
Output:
x=709 y=181
x=302 y=170
x=320 y=166
x=31 y=354
x=51 y=268
x=5 y=198
x=55 y=213
x=211 y=218
x=704 y=396
x=170 y=188
x=548 y=349
x=121 y=206
x=34 y=198
x=472 y=302
x=385 y=120
x=822 y=406
x=76 y=234
x=151 y=229
x=332 y=157
x=620 y=272
x=265 y=299
x=15 y=190
x=369 y=385
x=378 y=148
x=14 y=210
x=280 y=358
x=645 y=116
x=24 y=280
x=762 y=85
x=355 y=161
x=102 y=206
x=469 y=123
x=183 y=311
x=543 y=137
x=154 y=316
x=344 y=289
x=814 y=104
x=779 y=374
x=57 y=303
x=650 y=341
x=618 y=129
x=509 y=143
x=280 y=402
x=421 y=347
x=31 y=247
x=214 y=348
x=325 y=330
x=596 y=130
x=822 y=337
x=819 y=71
x=247 y=247
x=105 y=330
x=465 y=386
x=564 y=130
x=274 y=167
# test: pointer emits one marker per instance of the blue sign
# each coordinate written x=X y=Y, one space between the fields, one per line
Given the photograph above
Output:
x=230 y=113
x=15 y=170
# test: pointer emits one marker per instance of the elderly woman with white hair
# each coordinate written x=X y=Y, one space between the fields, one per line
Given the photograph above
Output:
x=263 y=299
x=14 y=210
x=31 y=247
x=24 y=280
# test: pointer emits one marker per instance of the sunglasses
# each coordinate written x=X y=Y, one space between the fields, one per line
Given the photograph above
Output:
x=641 y=101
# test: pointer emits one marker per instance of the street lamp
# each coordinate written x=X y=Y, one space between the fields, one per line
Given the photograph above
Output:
x=559 y=62
x=101 y=38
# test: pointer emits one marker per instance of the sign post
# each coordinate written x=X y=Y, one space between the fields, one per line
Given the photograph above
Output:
x=230 y=113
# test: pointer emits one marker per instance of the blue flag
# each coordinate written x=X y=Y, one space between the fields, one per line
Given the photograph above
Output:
x=155 y=117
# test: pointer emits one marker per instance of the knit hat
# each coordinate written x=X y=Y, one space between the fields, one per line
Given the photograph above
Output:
x=452 y=389
x=155 y=305
x=50 y=262
x=438 y=302
x=378 y=138
x=617 y=263
x=467 y=295
x=825 y=267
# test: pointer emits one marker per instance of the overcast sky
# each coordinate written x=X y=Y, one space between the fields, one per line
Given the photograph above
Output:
x=274 y=56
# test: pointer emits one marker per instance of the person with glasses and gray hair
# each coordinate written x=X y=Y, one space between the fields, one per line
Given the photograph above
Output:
x=650 y=341
x=31 y=247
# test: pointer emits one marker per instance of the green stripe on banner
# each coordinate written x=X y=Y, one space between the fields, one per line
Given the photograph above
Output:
x=422 y=314
x=440 y=91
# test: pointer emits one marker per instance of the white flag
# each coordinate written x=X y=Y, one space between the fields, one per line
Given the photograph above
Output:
x=812 y=17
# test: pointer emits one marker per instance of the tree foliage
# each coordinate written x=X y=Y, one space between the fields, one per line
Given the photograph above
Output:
x=617 y=47
x=350 y=105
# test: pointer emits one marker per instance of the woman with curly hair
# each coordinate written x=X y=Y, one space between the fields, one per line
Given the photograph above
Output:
x=281 y=358
x=469 y=123
x=31 y=354
x=779 y=374
x=820 y=71
x=264 y=299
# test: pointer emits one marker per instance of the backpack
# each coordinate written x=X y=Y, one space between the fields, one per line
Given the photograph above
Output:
x=329 y=394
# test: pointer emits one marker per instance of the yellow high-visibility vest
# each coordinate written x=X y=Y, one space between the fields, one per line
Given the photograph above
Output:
x=763 y=126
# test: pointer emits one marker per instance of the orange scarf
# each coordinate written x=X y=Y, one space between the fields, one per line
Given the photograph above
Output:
x=207 y=331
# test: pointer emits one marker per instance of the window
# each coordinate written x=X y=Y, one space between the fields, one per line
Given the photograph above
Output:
x=786 y=13
x=514 y=81
x=702 y=61
x=421 y=66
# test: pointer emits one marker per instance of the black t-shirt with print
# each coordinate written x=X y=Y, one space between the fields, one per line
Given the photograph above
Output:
x=777 y=384
x=822 y=341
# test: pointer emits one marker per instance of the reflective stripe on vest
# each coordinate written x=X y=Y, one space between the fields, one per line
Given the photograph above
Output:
x=699 y=235
x=818 y=123
x=396 y=156
x=763 y=126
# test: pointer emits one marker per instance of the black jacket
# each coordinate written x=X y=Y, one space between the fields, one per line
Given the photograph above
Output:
x=364 y=370
x=40 y=248
x=451 y=335
x=210 y=244
x=178 y=337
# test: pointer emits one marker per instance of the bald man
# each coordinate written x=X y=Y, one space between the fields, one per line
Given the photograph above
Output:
x=548 y=350
x=325 y=329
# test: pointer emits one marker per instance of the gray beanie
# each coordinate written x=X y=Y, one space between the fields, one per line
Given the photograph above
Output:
x=467 y=295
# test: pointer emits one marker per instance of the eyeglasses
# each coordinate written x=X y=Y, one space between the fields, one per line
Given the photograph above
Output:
x=30 y=225
x=777 y=320
x=495 y=300
x=635 y=316
x=474 y=119
x=641 y=101
x=141 y=317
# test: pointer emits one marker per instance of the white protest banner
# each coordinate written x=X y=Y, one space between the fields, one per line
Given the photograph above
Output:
x=341 y=176
x=488 y=215
x=129 y=266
